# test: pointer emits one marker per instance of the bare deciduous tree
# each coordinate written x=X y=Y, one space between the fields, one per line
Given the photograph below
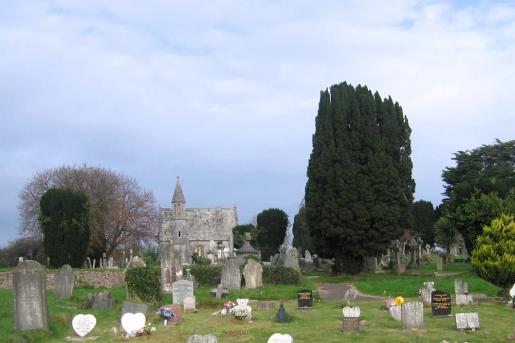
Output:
x=122 y=214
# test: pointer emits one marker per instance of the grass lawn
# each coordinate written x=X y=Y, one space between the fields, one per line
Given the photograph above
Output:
x=320 y=324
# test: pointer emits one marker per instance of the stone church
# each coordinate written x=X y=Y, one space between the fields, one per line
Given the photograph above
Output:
x=185 y=231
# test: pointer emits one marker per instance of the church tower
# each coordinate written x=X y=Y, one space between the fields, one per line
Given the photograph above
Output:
x=178 y=202
x=179 y=225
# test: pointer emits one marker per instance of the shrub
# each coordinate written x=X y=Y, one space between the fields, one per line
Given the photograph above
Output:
x=493 y=258
x=280 y=275
x=205 y=274
x=197 y=259
x=144 y=283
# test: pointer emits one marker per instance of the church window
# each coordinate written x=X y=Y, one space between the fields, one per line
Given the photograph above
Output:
x=179 y=233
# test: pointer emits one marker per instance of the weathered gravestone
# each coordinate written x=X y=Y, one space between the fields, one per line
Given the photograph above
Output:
x=189 y=303
x=180 y=290
x=30 y=303
x=467 y=321
x=461 y=287
x=103 y=300
x=439 y=263
x=231 y=275
x=395 y=312
x=425 y=292
x=202 y=339
x=307 y=257
x=253 y=273
x=292 y=259
x=281 y=316
x=464 y=299
x=83 y=324
x=265 y=305
x=305 y=298
x=350 y=321
x=64 y=282
x=440 y=303
x=350 y=296
x=280 y=338
x=412 y=315
x=128 y=307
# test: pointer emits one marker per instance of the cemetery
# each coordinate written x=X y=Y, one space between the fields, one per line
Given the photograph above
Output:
x=372 y=307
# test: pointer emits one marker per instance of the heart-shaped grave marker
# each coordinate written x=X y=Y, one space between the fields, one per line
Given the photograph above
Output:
x=279 y=338
x=83 y=324
x=133 y=323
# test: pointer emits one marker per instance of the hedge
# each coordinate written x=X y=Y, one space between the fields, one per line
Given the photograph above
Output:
x=280 y=275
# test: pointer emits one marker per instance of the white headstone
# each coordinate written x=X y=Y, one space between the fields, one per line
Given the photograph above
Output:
x=395 y=312
x=464 y=299
x=280 y=338
x=412 y=315
x=351 y=312
x=83 y=324
x=466 y=321
x=133 y=323
x=189 y=303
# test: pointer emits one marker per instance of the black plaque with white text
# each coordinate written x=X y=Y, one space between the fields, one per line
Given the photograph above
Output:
x=440 y=303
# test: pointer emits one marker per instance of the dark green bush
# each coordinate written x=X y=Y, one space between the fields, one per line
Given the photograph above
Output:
x=197 y=259
x=205 y=274
x=280 y=275
x=144 y=283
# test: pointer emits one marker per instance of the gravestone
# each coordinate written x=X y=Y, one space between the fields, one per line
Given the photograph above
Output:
x=83 y=324
x=231 y=275
x=412 y=315
x=103 y=300
x=133 y=323
x=440 y=303
x=280 y=338
x=307 y=257
x=467 y=321
x=395 y=312
x=425 y=292
x=350 y=296
x=253 y=273
x=281 y=316
x=464 y=299
x=30 y=303
x=439 y=263
x=64 y=282
x=189 y=303
x=292 y=259
x=128 y=307
x=180 y=290
x=202 y=339
x=350 y=321
x=305 y=298
x=461 y=287
x=265 y=305
x=511 y=303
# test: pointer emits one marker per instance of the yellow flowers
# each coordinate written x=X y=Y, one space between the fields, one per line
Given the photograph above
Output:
x=399 y=300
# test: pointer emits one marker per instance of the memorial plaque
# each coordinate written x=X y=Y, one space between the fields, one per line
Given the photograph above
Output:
x=440 y=303
x=305 y=298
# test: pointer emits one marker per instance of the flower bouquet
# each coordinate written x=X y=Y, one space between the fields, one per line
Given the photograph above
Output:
x=239 y=313
x=167 y=314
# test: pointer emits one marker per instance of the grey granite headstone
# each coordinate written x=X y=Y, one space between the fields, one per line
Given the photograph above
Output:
x=64 y=282
x=253 y=273
x=180 y=290
x=103 y=300
x=281 y=316
x=128 y=307
x=231 y=275
x=412 y=315
x=30 y=303
x=202 y=339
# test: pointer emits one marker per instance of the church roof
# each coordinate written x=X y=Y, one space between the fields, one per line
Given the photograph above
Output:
x=178 y=195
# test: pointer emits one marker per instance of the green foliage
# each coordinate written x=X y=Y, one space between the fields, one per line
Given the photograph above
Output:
x=197 y=259
x=301 y=237
x=424 y=219
x=151 y=256
x=494 y=256
x=205 y=275
x=360 y=189
x=239 y=231
x=144 y=283
x=271 y=229
x=446 y=233
x=64 y=219
x=280 y=275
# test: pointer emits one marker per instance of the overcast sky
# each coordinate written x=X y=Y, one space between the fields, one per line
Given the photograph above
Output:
x=225 y=93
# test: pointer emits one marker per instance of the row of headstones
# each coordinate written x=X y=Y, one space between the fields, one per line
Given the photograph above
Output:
x=231 y=274
x=460 y=288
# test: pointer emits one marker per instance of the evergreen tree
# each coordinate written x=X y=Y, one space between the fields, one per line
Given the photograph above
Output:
x=271 y=230
x=301 y=237
x=424 y=218
x=359 y=189
x=64 y=219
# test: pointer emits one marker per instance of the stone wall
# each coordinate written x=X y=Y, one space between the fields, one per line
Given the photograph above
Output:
x=94 y=278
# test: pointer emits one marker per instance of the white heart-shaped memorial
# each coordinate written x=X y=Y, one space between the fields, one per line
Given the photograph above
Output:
x=512 y=291
x=133 y=322
x=279 y=338
x=83 y=324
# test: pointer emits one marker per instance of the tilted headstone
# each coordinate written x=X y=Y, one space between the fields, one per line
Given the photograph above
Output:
x=128 y=307
x=464 y=299
x=189 y=303
x=30 y=303
x=231 y=275
x=280 y=338
x=83 y=324
x=253 y=273
x=425 y=292
x=461 y=287
x=467 y=321
x=281 y=316
x=180 y=290
x=292 y=259
x=440 y=303
x=305 y=298
x=64 y=282
x=202 y=339
x=103 y=300
x=412 y=315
